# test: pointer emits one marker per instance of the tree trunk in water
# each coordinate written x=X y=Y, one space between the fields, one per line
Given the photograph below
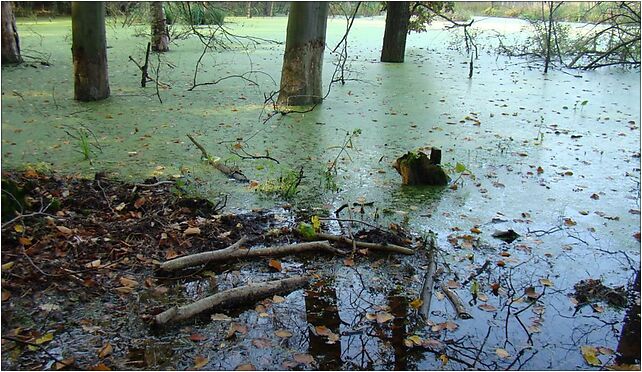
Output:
x=271 y=12
x=89 y=50
x=160 y=35
x=301 y=82
x=249 y=9
x=394 y=38
x=10 y=41
x=549 y=32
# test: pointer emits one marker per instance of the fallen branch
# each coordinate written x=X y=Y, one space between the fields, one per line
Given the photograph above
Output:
x=426 y=291
x=232 y=173
x=235 y=252
x=385 y=247
x=231 y=297
x=459 y=307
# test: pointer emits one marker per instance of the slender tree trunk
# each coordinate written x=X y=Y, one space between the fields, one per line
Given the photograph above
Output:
x=394 y=38
x=10 y=40
x=160 y=35
x=249 y=9
x=301 y=82
x=549 y=33
x=89 y=50
x=271 y=12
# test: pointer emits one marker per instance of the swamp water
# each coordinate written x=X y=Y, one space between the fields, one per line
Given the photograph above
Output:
x=576 y=215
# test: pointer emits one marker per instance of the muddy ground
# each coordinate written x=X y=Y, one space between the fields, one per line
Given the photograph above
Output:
x=80 y=288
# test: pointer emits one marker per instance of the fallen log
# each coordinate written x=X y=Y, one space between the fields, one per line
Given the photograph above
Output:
x=232 y=173
x=426 y=290
x=385 y=247
x=237 y=252
x=459 y=306
x=231 y=297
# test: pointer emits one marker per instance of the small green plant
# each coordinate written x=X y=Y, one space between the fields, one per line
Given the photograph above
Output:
x=84 y=142
x=460 y=170
x=582 y=104
x=329 y=175
x=540 y=133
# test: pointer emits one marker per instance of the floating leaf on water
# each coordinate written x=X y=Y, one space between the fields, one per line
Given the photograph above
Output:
x=348 y=262
x=502 y=353
x=384 y=317
x=475 y=230
x=531 y=293
x=235 y=327
x=590 y=355
x=322 y=330
x=283 y=333
x=452 y=284
x=416 y=304
x=245 y=367
x=303 y=358
x=413 y=340
x=482 y=297
x=44 y=339
x=545 y=282
x=262 y=343
x=105 y=350
x=444 y=359
x=487 y=307
x=200 y=362
x=439 y=295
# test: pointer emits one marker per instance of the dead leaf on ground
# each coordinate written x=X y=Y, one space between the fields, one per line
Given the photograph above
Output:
x=235 y=327
x=200 y=362
x=348 y=262
x=278 y=299
x=192 y=231
x=105 y=350
x=197 y=337
x=245 y=367
x=6 y=295
x=99 y=367
x=416 y=304
x=275 y=264
x=128 y=282
x=64 y=363
x=64 y=230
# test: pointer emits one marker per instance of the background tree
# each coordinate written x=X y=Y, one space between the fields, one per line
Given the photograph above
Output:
x=89 y=50
x=10 y=41
x=301 y=81
x=160 y=34
x=403 y=17
x=394 y=37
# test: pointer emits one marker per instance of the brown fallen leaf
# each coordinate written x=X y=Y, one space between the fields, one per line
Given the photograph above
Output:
x=192 y=231
x=306 y=359
x=278 y=299
x=283 y=333
x=5 y=295
x=196 y=337
x=590 y=355
x=200 y=362
x=235 y=327
x=502 y=353
x=262 y=343
x=64 y=363
x=384 y=317
x=348 y=262
x=64 y=230
x=275 y=264
x=99 y=367
x=106 y=350
x=128 y=282
x=245 y=367
x=487 y=307
x=416 y=304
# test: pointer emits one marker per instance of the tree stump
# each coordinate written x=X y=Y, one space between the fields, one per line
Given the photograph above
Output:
x=417 y=168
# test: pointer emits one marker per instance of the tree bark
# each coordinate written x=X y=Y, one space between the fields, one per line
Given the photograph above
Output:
x=10 y=40
x=160 y=35
x=394 y=38
x=301 y=81
x=89 y=50
x=249 y=9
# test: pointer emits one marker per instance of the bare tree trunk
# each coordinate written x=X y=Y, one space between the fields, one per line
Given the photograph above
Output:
x=249 y=9
x=549 y=33
x=10 y=40
x=271 y=5
x=160 y=35
x=89 y=50
x=394 y=38
x=301 y=82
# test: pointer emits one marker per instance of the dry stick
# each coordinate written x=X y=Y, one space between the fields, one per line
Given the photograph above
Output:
x=218 y=165
x=426 y=291
x=231 y=297
x=459 y=307
x=385 y=247
x=232 y=253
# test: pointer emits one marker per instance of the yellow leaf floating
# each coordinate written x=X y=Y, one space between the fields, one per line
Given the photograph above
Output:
x=590 y=355
x=502 y=353
x=44 y=339
x=545 y=282
x=416 y=304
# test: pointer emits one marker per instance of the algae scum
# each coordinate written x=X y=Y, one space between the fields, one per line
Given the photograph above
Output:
x=555 y=158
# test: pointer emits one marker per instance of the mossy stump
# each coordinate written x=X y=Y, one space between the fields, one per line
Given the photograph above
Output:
x=417 y=168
